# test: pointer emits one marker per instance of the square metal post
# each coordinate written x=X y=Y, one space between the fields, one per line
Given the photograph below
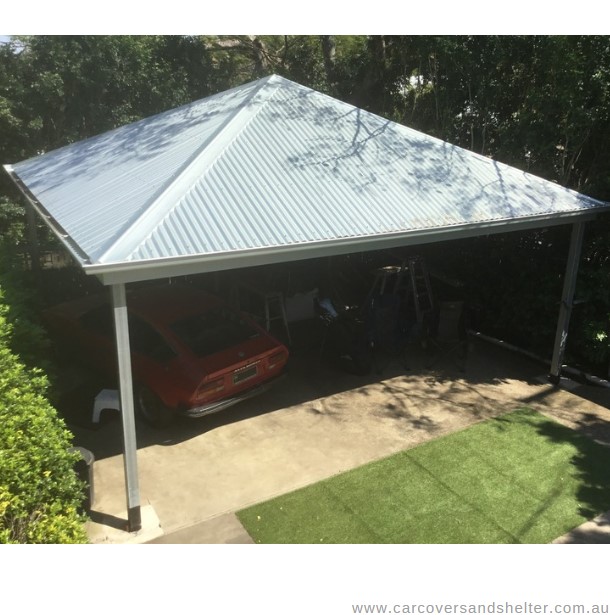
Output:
x=121 y=324
x=567 y=301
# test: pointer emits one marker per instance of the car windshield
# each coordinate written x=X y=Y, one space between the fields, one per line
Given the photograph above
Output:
x=214 y=331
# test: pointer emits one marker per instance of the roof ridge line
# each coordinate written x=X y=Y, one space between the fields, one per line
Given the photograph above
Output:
x=195 y=160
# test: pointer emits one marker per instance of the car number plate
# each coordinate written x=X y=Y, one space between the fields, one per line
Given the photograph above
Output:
x=245 y=373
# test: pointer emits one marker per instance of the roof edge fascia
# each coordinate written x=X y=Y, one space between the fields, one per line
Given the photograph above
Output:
x=81 y=257
x=125 y=272
x=189 y=173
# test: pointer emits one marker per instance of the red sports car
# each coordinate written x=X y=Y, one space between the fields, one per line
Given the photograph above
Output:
x=191 y=353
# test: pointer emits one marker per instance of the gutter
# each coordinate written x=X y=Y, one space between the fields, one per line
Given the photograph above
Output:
x=64 y=237
x=171 y=266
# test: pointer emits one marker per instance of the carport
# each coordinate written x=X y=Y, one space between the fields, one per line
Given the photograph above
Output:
x=267 y=172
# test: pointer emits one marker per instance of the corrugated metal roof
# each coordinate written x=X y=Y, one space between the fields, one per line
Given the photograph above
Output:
x=276 y=168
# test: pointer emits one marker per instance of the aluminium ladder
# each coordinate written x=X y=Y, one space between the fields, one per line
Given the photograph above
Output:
x=409 y=279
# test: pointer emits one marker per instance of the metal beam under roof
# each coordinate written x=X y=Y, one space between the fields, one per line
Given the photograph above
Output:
x=178 y=266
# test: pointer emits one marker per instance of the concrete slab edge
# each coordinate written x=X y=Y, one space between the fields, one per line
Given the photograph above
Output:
x=108 y=529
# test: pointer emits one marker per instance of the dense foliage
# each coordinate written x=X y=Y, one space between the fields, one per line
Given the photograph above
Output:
x=39 y=490
x=540 y=103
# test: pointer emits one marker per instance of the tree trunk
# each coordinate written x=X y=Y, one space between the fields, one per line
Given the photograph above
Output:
x=370 y=92
x=329 y=52
x=260 y=55
x=32 y=234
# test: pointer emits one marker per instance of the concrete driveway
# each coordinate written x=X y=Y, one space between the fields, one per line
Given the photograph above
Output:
x=314 y=424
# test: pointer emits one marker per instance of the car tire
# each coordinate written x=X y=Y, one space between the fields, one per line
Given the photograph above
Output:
x=152 y=410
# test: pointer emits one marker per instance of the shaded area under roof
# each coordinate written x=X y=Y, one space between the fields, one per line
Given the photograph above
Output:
x=272 y=171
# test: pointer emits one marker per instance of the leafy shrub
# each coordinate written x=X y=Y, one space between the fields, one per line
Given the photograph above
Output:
x=40 y=492
x=28 y=339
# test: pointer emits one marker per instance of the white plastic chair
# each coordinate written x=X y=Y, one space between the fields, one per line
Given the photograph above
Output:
x=106 y=399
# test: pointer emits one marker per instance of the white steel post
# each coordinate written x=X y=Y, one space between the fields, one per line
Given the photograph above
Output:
x=121 y=324
x=567 y=301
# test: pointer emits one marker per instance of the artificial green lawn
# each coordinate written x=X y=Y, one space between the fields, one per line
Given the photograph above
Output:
x=518 y=478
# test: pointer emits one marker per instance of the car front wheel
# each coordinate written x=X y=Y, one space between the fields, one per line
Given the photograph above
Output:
x=152 y=410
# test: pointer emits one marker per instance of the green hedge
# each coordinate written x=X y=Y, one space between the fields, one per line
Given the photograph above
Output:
x=40 y=492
